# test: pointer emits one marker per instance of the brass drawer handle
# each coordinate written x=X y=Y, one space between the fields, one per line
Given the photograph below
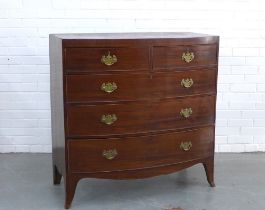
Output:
x=109 y=87
x=186 y=145
x=109 y=119
x=188 y=56
x=187 y=112
x=187 y=83
x=108 y=59
x=110 y=154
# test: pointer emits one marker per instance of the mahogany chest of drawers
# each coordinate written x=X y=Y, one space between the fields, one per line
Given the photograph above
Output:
x=136 y=105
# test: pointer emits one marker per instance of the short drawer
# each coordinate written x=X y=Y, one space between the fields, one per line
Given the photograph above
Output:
x=130 y=118
x=132 y=87
x=166 y=58
x=100 y=155
x=106 y=59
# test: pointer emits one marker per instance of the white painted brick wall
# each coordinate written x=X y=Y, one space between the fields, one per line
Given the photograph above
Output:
x=24 y=64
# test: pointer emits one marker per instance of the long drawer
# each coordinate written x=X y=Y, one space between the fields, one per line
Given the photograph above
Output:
x=100 y=155
x=101 y=60
x=132 y=87
x=130 y=118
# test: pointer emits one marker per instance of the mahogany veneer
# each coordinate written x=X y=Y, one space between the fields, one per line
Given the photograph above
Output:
x=86 y=59
x=130 y=89
x=128 y=106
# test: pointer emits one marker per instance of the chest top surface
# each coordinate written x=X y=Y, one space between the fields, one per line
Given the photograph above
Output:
x=140 y=35
x=131 y=39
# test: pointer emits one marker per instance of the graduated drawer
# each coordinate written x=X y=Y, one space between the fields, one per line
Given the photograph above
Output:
x=165 y=58
x=106 y=59
x=131 y=118
x=131 y=87
x=100 y=155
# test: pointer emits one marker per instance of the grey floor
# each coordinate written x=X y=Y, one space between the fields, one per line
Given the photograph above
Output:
x=26 y=184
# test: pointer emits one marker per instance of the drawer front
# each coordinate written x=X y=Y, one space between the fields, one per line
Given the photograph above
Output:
x=139 y=152
x=115 y=87
x=132 y=87
x=165 y=58
x=106 y=59
x=130 y=118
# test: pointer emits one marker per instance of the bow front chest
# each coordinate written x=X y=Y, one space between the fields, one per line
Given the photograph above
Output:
x=136 y=105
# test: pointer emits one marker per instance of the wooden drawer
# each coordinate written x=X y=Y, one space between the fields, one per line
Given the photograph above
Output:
x=165 y=58
x=100 y=155
x=130 y=118
x=132 y=87
x=90 y=59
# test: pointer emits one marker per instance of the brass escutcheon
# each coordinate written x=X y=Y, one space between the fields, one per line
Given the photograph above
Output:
x=186 y=145
x=188 y=56
x=109 y=119
x=186 y=112
x=110 y=154
x=187 y=83
x=108 y=59
x=109 y=87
